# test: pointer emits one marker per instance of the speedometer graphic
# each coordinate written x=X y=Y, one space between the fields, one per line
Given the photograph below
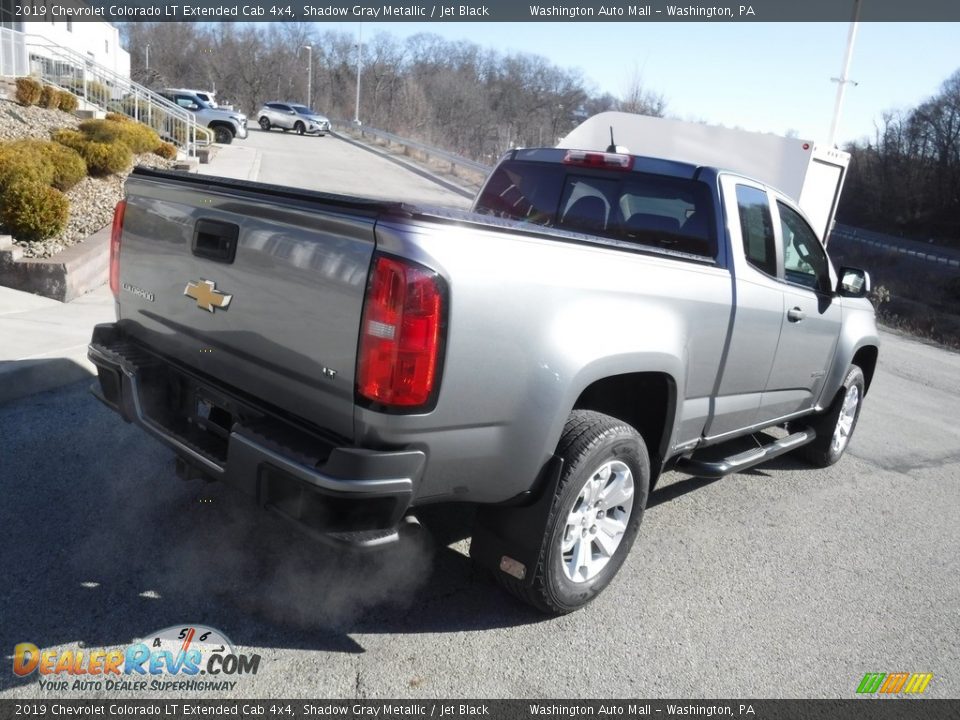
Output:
x=198 y=642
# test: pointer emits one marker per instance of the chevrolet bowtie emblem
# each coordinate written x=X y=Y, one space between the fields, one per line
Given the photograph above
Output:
x=207 y=296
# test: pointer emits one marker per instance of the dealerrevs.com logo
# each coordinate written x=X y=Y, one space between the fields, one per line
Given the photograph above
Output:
x=181 y=657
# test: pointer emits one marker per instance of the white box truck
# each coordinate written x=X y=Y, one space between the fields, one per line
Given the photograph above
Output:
x=809 y=173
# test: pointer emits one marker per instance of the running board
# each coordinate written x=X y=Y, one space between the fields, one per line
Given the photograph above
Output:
x=747 y=459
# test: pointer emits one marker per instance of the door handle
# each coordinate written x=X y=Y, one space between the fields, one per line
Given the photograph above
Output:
x=795 y=314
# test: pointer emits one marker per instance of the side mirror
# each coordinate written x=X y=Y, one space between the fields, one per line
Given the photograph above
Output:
x=853 y=282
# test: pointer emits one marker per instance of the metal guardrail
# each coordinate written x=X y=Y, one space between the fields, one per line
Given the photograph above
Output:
x=428 y=151
x=912 y=248
x=112 y=92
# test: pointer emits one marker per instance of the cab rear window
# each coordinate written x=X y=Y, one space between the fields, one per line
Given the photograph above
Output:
x=646 y=209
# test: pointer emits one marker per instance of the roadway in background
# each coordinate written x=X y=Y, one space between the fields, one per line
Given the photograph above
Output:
x=332 y=165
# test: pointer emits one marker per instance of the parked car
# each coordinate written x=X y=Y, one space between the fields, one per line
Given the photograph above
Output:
x=207 y=96
x=225 y=124
x=291 y=116
x=600 y=318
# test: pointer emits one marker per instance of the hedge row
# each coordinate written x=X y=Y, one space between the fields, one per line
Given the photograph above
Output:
x=32 y=175
x=32 y=92
x=35 y=173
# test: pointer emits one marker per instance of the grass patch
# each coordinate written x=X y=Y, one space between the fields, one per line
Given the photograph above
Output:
x=914 y=296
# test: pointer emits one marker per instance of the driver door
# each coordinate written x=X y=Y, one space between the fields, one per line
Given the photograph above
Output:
x=811 y=320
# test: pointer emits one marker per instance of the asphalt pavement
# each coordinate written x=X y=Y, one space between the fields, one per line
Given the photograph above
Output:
x=784 y=581
x=333 y=165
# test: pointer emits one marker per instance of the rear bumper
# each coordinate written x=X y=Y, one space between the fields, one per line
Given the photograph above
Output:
x=345 y=494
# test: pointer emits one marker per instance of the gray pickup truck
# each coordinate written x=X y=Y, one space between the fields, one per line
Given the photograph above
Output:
x=596 y=320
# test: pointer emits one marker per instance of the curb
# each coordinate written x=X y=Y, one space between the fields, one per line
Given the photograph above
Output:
x=416 y=169
x=67 y=275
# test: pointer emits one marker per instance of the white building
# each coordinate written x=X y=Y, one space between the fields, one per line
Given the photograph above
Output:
x=36 y=41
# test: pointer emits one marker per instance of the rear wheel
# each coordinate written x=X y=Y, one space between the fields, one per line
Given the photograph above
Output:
x=835 y=426
x=265 y=124
x=595 y=516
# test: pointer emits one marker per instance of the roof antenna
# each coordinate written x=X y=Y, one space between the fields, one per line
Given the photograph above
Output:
x=612 y=147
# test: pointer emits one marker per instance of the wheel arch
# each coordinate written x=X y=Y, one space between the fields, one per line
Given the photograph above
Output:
x=224 y=124
x=647 y=401
x=866 y=359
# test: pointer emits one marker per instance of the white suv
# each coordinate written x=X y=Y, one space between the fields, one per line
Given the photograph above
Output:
x=292 y=116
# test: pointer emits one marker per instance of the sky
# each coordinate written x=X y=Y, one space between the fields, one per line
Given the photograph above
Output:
x=767 y=77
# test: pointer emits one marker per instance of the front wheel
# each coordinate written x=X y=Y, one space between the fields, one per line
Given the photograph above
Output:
x=595 y=516
x=265 y=124
x=300 y=128
x=222 y=135
x=835 y=426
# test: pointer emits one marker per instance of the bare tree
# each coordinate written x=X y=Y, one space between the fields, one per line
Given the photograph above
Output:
x=641 y=100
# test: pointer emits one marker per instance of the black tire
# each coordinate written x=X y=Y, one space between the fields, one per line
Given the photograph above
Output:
x=589 y=441
x=823 y=452
x=222 y=134
x=300 y=128
x=265 y=124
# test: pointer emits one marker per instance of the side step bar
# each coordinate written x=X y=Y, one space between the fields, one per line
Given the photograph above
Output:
x=747 y=459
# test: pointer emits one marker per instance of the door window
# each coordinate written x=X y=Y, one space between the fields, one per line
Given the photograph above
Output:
x=756 y=226
x=804 y=260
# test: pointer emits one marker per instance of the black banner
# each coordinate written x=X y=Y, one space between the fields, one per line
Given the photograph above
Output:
x=862 y=709
x=486 y=10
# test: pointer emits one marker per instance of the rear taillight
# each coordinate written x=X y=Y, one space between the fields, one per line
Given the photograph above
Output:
x=608 y=161
x=115 y=233
x=401 y=335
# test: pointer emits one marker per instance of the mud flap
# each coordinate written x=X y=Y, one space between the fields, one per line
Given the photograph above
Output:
x=509 y=538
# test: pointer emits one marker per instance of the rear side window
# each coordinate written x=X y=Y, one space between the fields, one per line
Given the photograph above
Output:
x=528 y=192
x=757 y=229
x=653 y=210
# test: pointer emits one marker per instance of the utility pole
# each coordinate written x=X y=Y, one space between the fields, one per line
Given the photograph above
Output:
x=356 y=113
x=148 y=56
x=843 y=80
x=309 y=49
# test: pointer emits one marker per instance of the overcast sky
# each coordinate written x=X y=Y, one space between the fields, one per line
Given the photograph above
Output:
x=770 y=77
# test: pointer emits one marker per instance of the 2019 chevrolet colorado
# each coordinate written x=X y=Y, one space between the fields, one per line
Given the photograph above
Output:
x=597 y=319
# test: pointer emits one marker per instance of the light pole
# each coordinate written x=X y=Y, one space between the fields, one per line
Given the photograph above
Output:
x=843 y=79
x=148 y=56
x=309 y=49
x=356 y=112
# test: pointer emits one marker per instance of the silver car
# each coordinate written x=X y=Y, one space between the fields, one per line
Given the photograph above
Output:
x=292 y=116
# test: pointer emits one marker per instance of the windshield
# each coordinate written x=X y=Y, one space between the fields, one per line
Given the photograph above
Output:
x=667 y=212
x=303 y=110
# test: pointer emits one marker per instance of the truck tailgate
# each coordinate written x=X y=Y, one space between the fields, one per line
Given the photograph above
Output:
x=258 y=287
